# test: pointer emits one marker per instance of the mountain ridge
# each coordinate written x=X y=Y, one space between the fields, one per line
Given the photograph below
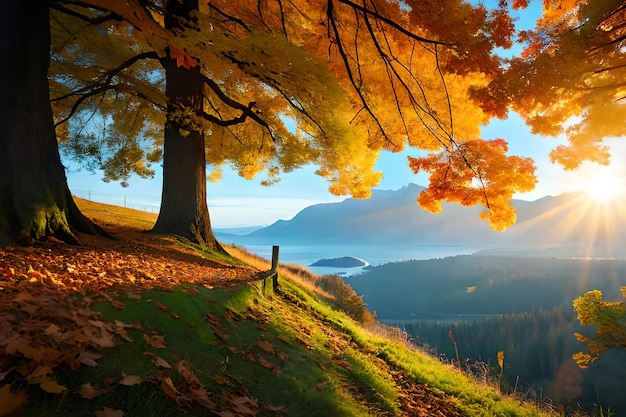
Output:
x=569 y=224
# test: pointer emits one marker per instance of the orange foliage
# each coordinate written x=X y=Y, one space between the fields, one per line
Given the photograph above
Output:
x=568 y=79
x=183 y=59
x=476 y=172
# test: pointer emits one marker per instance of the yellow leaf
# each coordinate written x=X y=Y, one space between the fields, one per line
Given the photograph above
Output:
x=10 y=401
x=52 y=387
x=39 y=374
x=501 y=359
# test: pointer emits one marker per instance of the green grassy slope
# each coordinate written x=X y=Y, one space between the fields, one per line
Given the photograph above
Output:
x=258 y=354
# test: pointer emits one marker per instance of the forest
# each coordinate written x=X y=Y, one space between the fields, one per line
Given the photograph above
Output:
x=519 y=305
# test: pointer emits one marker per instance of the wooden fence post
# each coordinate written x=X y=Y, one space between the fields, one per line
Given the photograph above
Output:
x=275 y=250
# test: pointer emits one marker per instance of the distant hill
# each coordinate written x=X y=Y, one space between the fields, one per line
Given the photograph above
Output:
x=568 y=224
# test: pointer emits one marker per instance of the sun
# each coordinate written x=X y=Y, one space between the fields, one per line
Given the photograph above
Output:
x=604 y=187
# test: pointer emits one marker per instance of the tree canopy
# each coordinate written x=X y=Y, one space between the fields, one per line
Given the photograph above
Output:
x=569 y=78
x=331 y=83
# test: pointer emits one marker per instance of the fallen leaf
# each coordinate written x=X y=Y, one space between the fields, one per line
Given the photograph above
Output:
x=22 y=346
x=89 y=358
x=162 y=307
x=265 y=346
x=156 y=341
x=104 y=341
x=10 y=401
x=222 y=381
x=196 y=390
x=108 y=412
x=89 y=392
x=267 y=364
x=54 y=331
x=274 y=408
x=244 y=405
x=193 y=291
x=158 y=361
x=39 y=374
x=216 y=326
x=130 y=380
x=168 y=388
x=52 y=387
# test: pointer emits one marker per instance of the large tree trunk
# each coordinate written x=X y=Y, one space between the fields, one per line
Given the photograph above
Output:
x=184 y=208
x=35 y=200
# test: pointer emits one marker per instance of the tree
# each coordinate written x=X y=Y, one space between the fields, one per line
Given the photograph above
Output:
x=610 y=319
x=184 y=208
x=361 y=79
x=569 y=79
x=35 y=201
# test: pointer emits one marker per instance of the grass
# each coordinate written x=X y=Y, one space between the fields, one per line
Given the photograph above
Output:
x=288 y=352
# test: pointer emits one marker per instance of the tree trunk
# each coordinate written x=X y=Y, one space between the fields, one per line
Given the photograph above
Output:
x=35 y=200
x=184 y=208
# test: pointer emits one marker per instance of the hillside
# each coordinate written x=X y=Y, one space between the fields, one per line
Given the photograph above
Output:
x=568 y=224
x=147 y=326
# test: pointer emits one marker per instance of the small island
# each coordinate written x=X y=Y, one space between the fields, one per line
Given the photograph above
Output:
x=343 y=262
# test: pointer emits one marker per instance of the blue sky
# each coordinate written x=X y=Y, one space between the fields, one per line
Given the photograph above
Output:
x=236 y=202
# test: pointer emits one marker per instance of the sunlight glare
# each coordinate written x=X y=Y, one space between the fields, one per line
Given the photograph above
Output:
x=604 y=186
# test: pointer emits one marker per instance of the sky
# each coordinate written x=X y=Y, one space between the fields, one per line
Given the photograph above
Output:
x=236 y=202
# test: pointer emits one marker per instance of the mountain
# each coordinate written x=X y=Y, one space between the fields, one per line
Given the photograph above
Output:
x=566 y=224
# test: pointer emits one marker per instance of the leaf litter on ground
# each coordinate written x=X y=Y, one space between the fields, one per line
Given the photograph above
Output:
x=47 y=293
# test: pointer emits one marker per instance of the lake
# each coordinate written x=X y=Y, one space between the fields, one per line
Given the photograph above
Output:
x=374 y=255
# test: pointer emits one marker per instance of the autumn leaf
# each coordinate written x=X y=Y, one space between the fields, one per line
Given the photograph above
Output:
x=267 y=364
x=195 y=388
x=158 y=361
x=39 y=374
x=10 y=401
x=54 y=331
x=130 y=380
x=108 y=412
x=89 y=392
x=216 y=326
x=52 y=387
x=244 y=406
x=169 y=389
x=183 y=59
x=156 y=341
x=273 y=408
x=89 y=358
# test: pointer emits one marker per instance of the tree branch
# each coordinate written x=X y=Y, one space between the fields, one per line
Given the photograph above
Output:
x=391 y=23
x=109 y=75
x=344 y=57
x=89 y=19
